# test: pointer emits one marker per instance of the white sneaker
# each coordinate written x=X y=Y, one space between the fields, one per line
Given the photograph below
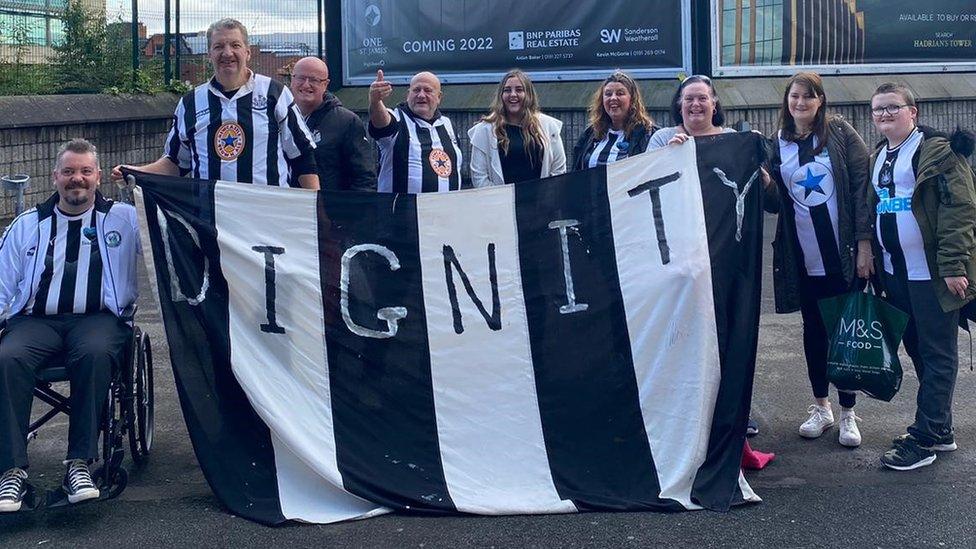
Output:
x=821 y=419
x=78 y=482
x=13 y=486
x=850 y=436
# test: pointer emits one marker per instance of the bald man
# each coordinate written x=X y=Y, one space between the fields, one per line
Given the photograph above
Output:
x=419 y=152
x=344 y=157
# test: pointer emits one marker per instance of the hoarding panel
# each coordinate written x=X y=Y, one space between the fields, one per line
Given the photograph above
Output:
x=479 y=40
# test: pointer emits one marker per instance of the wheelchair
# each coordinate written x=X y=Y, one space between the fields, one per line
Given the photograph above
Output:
x=129 y=412
x=129 y=404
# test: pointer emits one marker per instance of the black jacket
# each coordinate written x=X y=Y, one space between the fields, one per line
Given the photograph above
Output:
x=849 y=161
x=345 y=158
x=638 y=144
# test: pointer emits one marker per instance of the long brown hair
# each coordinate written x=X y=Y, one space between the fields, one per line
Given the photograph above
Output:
x=531 y=127
x=813 y=84
x=637 y=116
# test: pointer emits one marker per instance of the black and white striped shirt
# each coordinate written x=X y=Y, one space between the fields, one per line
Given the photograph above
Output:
x=809 y=180
x=417 y=156
x=611 y=148
x=248 y=137
x=898 y=232
x=71 y=282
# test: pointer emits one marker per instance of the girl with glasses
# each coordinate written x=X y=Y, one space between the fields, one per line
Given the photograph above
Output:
x=922 y=195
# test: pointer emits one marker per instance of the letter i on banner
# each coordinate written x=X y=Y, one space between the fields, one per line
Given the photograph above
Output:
x=572 y=307
x=270 y=252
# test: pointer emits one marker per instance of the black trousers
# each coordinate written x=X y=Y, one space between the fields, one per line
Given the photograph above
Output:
x=92 y=345
x=931 y=342
x=813 y=289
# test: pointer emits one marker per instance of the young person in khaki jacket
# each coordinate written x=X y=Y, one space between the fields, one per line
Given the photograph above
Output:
x=922 y=194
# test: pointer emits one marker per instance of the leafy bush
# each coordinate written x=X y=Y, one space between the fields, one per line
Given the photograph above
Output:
x=92 y=57
x=17 y=76
x=81 y=61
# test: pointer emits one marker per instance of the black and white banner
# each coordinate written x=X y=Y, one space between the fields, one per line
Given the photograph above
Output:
x=584 y=342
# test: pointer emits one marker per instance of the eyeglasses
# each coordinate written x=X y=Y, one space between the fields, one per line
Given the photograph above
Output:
x=890 y=110
x=301 y=79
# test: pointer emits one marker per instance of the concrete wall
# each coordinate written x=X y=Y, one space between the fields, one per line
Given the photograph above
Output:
x=128 y=130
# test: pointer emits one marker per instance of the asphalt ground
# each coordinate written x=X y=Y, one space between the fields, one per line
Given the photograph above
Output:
x=816 y=493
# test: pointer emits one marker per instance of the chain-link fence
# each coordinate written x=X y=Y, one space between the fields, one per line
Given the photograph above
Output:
x=92 y=46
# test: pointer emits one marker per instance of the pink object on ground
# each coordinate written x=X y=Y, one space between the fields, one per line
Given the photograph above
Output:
x=754 y=460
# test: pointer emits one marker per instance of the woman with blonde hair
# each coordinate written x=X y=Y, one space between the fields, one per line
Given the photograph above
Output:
x=515 y=141
x=619 y=124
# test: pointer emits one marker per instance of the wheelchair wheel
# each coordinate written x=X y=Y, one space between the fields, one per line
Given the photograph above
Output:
x=141 y=438
x=112 y=480
x=112 y=433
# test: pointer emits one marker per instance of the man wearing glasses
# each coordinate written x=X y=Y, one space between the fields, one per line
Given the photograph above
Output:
x=344 y=157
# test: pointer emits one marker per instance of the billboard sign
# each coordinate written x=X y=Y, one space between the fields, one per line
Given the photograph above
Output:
x=480 y=40
x=843 y=36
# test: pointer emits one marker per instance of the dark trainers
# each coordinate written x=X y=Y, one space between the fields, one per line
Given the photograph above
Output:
x=946 y=443
x=906 y=454
x=13 y=486
x=752 y=428
x=78 y=482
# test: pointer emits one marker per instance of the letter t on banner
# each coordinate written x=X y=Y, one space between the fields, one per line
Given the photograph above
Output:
x=653 y=188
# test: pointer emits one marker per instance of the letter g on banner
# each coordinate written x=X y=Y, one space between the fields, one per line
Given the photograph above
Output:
x=390 y=315
x=176 y=292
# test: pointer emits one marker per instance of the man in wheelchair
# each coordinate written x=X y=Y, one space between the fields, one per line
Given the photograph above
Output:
x=67 y=274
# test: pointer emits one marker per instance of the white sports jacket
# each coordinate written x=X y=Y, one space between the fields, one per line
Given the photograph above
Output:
x=22 y=253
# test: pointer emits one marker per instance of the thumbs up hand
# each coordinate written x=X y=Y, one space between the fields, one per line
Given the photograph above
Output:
x=379 y=90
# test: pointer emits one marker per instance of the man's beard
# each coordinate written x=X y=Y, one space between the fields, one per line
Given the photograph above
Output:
x=75 y=199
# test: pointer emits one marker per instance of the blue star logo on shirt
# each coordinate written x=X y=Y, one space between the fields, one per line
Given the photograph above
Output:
x=811 y=184
x=441 y=163
x=230 y=140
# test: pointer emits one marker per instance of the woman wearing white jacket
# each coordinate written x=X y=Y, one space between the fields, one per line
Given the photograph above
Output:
x=515 y=141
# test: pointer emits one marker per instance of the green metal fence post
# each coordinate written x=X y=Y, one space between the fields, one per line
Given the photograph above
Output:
x=167 y=68
x=135 y=42
x=321 y=52
x=179 y=43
